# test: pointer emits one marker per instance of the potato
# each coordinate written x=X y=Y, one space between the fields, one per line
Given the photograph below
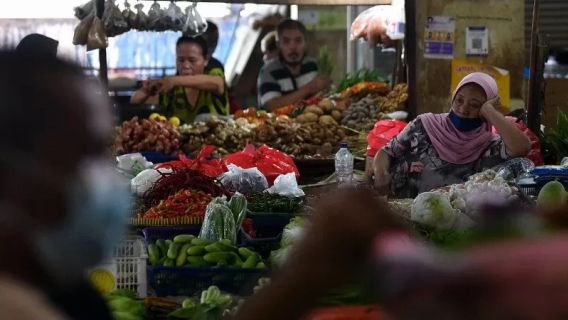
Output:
x=326 y=105
x=307 y=117
x=327 y=120
x=336 y=115
x=313 y=109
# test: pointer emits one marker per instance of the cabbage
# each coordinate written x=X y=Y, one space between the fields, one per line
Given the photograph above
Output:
x=293 y=231
x=433 y=209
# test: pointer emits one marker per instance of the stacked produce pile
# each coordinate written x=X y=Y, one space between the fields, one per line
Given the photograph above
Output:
x=138 y=135
x=211 y=304
x=226 y=136
x=362 y=114
x=124 y=305
x=188 y=251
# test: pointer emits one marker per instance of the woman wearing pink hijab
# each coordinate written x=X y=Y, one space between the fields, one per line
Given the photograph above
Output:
x=436 y=150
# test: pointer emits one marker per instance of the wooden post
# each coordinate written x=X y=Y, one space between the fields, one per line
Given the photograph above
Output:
x=411 y=56
x=103 y=67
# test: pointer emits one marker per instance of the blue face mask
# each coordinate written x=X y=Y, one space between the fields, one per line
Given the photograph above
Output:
x=97 y=209
x=464 y=124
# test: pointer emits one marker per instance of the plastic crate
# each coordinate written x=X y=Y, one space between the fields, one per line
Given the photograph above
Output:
x=269 y=225
x=129 y=261
x=187 y=281
x=154 y=233
x=261 y=245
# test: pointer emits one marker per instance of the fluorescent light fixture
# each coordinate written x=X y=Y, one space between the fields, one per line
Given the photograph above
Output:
x=294 y=12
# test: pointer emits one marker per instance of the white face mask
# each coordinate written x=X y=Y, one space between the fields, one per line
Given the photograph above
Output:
x=97 y=208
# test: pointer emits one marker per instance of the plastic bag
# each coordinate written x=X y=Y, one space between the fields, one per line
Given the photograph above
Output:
x=382 y=133
x=269 y=161
x=140 y=184
x=133 y=163
x=209 y=167
x=219 y=223
x=113 y=20
x=287 y=186
x=175 y=17
x=81 y=34
x=156 y=21
x=141 y=21
x=97 y=38
x=84 y=10
x=245 y=181
x=379 y=25
x=194 y=23
x=129 y=15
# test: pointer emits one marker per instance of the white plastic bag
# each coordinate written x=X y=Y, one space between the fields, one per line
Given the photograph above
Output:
x=129 y=15
x=245 y=181
x=84 y=10
x=133 y=163
x=156 y=18
x=141 y=20
x=195 y=24
x=114 y=21
x=145 y=180
x=379 y=25
x=175 y=17
x=287 y=186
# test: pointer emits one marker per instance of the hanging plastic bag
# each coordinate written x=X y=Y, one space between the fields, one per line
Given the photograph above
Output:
x=379 y=25
x=245 y=181
x=141 y=20
x=81 y=34
x=175 y=17
x=84 y=10
x=114 y=22
x=287 y=186
x=128 y=14
x=156 y=18
x=382 y=133
x=194 y=24
x=97 y=38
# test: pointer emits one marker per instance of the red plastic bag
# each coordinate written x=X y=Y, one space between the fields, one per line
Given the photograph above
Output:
x=269 y=161
x=382 y=133
x=535 y=154
x=209 y=167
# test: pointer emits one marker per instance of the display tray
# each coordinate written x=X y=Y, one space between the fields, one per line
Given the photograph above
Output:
x=161 y=222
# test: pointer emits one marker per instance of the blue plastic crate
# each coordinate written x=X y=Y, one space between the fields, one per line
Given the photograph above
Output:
x=152 y=234
x=263 y=246
x=187 y=281
x=269 y=225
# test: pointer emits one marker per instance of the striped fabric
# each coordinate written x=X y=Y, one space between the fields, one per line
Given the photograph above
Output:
x=276 y=80
x=176 y=104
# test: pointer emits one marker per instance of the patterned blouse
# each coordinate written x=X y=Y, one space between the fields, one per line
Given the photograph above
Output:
x=416 y=166
x=176 y=104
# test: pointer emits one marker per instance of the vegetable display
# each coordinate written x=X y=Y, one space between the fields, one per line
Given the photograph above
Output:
x=266 y=202
x=186 y=202
x=352 y=79
x=292 y=233
x=226 y=136
x=181 y=178
x=212 y=305
x=223 y=218
x=555 y=140
x=124 y=306
x=252 y=115
x=189 y=251
x=137 y=135
x=325 y=63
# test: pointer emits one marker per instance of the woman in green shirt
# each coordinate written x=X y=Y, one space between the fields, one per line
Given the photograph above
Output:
x=190 y=92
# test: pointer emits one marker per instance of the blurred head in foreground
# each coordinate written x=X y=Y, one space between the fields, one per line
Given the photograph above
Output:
x=61 y=205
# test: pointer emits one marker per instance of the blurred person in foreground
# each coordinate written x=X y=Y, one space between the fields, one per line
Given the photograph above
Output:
x=35 y=44
x=293 y=76
x=62 y=208
x=510 y=279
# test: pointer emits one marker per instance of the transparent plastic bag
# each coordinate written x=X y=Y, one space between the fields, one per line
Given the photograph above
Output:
x=564 y=162
x=129 y=15
x=194 y=24
x=83 y=11
x=133 y=163
x=245 y=181
x=141 y=20
x=287 y=186
x=97 y=38
x=156 y=18
x=218 y=224
x=175 y=17
x=81 y=34
x=514 y=168
x=379 y=25
x=114 y=22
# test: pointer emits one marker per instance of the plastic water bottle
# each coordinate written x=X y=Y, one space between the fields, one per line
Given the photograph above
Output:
x=344 y=166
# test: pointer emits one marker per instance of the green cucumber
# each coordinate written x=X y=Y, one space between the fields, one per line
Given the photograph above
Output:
x=173 y=251
x=196 y=251
x=183 y=238
x=169 y=262
x=182 y=256
x=227 y=247
x=153 y=254
x=224 y=258
x=261 y=265
x=245 y=252
x=215 y=247
x=200 y=242
x=197 y=262
x=251 y=261
x=163 y=247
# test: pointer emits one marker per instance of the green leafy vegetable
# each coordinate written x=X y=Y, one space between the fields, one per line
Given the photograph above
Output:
x=555 y=140
x=352 y=79
x=325 y=65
